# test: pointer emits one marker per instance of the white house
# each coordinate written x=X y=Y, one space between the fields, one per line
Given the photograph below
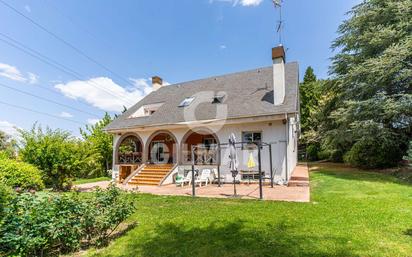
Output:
x=158 y=136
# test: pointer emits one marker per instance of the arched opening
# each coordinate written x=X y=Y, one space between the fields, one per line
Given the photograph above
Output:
x=129 y=150
x=161 y=148
x=206 y=147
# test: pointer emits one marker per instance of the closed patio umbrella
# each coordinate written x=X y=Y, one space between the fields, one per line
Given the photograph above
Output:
x=233 y=162
x=251 y=164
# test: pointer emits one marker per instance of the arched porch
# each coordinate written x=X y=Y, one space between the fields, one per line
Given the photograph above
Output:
x=161 y=148
x=206 y=151
x=129 y=150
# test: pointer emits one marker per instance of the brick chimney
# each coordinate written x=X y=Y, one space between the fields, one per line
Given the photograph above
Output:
x=157 y=82
x=278 y=57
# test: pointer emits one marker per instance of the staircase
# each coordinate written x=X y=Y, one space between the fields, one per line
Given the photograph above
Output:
x=151 y=175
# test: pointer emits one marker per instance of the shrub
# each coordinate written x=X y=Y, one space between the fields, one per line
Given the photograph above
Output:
x=6 y=194
x=312 y=152
x=19 y=174
x=409 y=153
x=49 y=224
x=373 y=154
x=59 y=155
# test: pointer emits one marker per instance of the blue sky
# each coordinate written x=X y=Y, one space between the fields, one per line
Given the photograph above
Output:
x=178 y=40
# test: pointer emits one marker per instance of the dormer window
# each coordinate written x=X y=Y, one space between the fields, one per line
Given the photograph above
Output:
x=146 y=110
x=186 y=102
x=218 y=99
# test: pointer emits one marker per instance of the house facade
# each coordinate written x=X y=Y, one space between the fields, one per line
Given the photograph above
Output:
x=185 y=124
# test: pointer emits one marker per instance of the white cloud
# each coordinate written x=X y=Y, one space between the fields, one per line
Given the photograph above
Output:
x=104 y=93
x=92 y=121
x=65 y=115
x=241 y=2
x=32 y=78
x=27 y=8
x=9 y=128
x=250 y=2
x=144 y=85
x=11 y=72
x=222 y=46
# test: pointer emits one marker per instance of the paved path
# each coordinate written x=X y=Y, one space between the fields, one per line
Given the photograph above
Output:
x=299 y=192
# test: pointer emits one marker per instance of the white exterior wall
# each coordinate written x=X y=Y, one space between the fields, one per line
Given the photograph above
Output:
x=273 y=132
x=292 y=145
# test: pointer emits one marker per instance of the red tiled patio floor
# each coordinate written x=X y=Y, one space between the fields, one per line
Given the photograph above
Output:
x=298 y=193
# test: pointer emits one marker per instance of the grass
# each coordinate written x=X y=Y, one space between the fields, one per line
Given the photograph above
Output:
x=352 y=213
x=90 y=180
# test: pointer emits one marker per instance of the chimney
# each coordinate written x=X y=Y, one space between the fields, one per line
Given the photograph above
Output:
x=278 y=57
x=157 y=82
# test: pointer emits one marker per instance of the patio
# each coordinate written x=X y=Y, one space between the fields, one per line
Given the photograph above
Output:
x=297 y=191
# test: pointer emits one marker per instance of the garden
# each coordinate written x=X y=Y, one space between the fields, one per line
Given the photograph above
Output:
x=356 y=131
x=352 y=212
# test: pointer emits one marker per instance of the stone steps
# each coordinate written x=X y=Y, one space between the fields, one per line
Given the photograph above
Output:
x=152 y=174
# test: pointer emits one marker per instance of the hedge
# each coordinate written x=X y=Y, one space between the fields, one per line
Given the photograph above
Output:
x=20 y=174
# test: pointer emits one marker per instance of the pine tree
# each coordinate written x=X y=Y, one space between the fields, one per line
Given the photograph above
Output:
x=372 y=126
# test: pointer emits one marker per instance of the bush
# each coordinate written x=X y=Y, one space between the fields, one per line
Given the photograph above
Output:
x=6 y=195
x=373 y=154
x=408 y=156
x=59 y=155
x=312 y=152
x=49 y=224
x=19 y=174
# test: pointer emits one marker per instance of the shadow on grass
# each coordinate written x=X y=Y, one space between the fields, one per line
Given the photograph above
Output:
x=235 y=239
x=408 y=232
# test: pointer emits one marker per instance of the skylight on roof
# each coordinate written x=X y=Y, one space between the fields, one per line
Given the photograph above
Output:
x=218 y=99
x=186 y=102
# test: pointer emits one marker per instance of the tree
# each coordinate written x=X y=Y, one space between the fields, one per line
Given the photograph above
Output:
x=4 y=138
x=100 y=142
x=371 y=123
x=59 y=155
x=8 y=145
x=309 y=92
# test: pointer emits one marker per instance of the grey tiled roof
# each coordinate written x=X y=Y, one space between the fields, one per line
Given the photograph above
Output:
x=248 y=93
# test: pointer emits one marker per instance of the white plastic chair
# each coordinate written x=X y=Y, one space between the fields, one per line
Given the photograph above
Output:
x=187 y=179
x=204 y=178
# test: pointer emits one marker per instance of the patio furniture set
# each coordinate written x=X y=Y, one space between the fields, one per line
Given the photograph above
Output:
x=205 y=177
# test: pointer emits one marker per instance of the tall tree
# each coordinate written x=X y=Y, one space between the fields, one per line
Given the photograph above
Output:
x=100 y=142
x=308 y=91
x=372 y=126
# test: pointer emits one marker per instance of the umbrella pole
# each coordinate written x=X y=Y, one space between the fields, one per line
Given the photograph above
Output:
x=234 y=186
x=193 y=174
x=271 y=168
x=218 y=167
x=260 y=174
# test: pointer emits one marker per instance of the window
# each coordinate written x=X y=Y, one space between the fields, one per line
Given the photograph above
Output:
x=218 y=99
x=251 y=137
x=146 y=110
x=186 y=102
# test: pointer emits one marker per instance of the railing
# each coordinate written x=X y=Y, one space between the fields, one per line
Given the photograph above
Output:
x=130 y=158
x=133 y=173
x=202 y=157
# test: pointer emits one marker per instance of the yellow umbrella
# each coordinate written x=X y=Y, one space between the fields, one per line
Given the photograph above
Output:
x=251 y=162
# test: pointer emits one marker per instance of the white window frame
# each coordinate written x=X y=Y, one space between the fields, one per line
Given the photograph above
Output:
x=187 y=101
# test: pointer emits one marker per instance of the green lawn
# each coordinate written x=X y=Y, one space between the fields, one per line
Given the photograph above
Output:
x=90 y=180
x=352 y=213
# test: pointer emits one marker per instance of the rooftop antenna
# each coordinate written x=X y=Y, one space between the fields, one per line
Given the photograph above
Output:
x=278 y=5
